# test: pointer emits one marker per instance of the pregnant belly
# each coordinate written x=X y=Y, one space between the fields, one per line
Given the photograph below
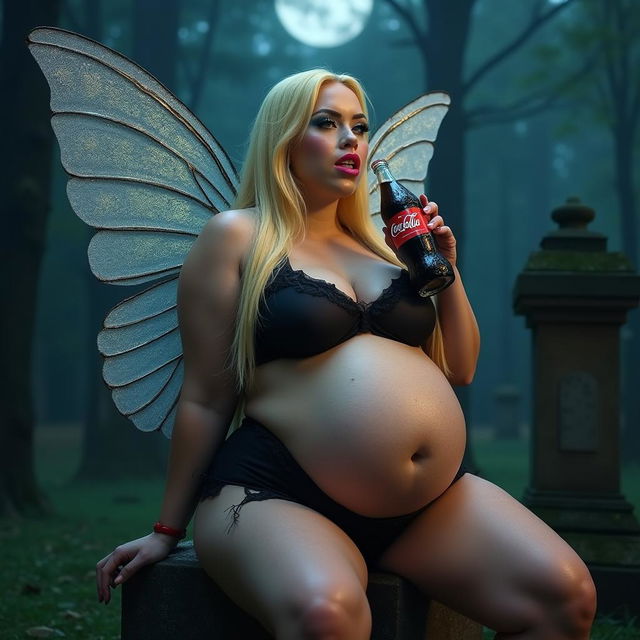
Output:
x=373 y=422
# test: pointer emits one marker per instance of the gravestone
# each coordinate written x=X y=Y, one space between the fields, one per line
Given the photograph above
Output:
x=575 y=296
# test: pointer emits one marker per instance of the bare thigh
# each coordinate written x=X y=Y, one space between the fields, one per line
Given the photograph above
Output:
x=278 y=558
x=481 y=552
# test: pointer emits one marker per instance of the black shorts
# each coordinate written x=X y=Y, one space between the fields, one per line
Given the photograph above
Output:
x=254 y=458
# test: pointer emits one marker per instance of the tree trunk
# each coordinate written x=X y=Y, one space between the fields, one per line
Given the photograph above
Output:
x=621 y=19
x=112 y=446
x=204 y=64
x=445 y=48
x=25 y=186
x=623 y=141
x=107 y=447
x=155 y=40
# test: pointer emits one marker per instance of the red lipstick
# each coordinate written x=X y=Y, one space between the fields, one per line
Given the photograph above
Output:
x=349 y=163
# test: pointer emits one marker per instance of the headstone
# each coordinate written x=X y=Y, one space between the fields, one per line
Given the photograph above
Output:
x=575 y=296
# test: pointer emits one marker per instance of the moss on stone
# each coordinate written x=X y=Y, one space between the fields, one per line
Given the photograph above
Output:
x=589 y=261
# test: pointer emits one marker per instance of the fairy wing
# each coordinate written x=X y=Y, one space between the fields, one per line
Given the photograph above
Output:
x=405 y=141
x=147 y=174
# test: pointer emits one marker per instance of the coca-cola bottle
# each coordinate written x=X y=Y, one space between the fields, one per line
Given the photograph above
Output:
x=429 y=271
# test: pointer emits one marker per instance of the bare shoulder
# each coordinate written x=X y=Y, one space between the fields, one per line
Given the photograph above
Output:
x=208 y=292
x=228 y=234
x=223 y=243
x=234 y=223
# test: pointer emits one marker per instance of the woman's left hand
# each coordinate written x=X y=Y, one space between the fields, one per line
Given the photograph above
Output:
x=443 y=234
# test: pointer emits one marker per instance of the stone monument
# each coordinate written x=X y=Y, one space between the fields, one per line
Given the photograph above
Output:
x=575 y=296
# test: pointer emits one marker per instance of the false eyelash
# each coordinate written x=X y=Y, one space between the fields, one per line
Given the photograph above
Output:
x=323 y=121
x=364 y=128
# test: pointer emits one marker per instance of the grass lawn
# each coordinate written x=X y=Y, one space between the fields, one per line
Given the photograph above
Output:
x=51 y=576
x=506 y=463
x=48 y=577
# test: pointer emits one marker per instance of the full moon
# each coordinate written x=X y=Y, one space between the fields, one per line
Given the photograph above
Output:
x=324 y=23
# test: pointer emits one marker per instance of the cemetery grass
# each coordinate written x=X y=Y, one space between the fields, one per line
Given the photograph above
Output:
x=51 y=561
x=48 y=564
x=506 y=464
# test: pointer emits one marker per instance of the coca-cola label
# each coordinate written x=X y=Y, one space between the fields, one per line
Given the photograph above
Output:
x=407 y=224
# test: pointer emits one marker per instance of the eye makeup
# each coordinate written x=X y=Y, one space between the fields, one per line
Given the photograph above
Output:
x=323 y=122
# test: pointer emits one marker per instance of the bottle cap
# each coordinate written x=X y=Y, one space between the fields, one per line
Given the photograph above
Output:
x=376 y=163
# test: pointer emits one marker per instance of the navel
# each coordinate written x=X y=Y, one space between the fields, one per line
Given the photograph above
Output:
x=420 y=454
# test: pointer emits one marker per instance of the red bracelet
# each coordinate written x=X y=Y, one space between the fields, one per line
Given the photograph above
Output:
x=158 y=527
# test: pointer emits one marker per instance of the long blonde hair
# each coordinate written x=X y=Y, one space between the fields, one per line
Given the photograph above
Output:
x=268 y=185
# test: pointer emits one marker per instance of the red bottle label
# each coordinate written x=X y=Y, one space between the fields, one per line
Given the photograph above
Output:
x=407 y=224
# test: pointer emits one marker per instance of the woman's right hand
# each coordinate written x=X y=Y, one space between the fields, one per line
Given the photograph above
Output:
x=127 y=558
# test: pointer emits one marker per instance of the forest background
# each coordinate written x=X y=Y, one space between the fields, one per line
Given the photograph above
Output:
x=545 y=103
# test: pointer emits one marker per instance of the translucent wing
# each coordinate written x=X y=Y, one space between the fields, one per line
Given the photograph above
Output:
x=147 y=174
x=406 y=140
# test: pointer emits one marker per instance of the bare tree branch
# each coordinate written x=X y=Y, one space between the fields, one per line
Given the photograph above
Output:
x=505 y=114
x=205 y=55
x=404 y=12
x=536 y=10
x=610 y=67
x=516 y=43
x=543 y=98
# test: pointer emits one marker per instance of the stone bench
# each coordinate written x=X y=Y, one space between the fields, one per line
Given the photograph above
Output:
x=175 y=599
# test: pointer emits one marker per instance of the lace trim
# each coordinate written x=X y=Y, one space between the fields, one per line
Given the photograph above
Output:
x=286 y=276
x=250 y=495
x=390 y=296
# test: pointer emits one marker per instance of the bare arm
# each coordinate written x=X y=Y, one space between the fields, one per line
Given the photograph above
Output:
x=208 y=293
x=460 y=332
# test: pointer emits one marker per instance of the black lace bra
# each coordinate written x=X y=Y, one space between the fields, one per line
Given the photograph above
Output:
x=301 y=316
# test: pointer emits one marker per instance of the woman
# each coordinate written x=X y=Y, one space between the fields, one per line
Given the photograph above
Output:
x=294 y=313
